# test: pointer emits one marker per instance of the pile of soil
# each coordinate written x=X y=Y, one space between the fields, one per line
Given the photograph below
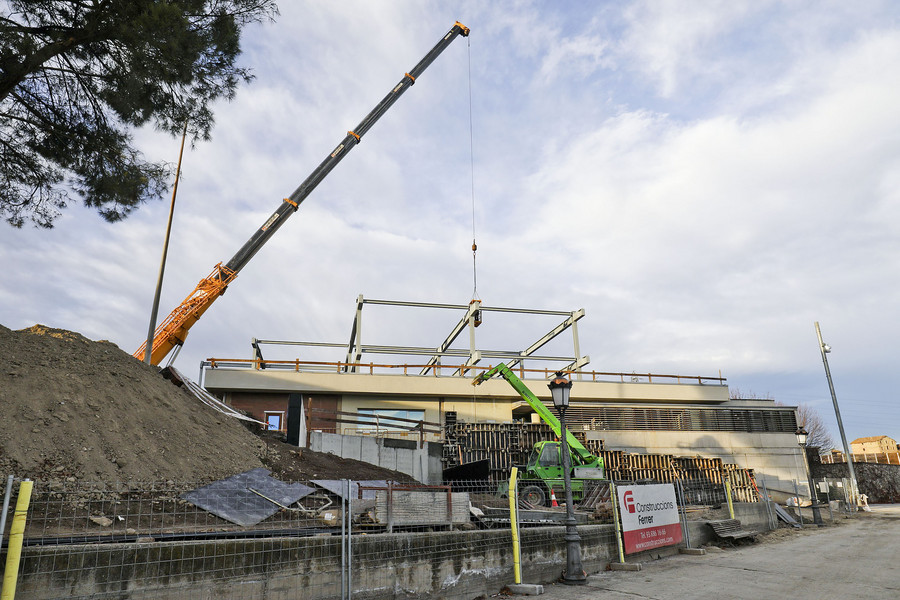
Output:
x=78 y=409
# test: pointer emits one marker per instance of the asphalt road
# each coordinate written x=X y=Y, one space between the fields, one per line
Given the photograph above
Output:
x=859 y=557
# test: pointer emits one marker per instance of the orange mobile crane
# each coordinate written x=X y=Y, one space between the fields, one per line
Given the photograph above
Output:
x=172 y=332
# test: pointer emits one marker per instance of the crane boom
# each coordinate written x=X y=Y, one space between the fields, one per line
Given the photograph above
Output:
x=174 y=329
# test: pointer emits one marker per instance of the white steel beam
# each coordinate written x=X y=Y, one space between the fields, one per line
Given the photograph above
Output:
x=454 y=333
x=354 y=347
x=573 y=317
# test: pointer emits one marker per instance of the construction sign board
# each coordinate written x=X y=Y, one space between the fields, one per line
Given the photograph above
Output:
x=649 y=516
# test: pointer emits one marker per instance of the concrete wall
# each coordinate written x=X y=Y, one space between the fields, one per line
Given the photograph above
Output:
x=410 y=565
x=420 y=566
x=881 y=483
x=396 y=386
x=775 y=458
x=424 y=464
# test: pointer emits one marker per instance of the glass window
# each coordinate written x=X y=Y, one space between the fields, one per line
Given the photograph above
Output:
x=367 y=418
x=550 y=456
x=273 y=421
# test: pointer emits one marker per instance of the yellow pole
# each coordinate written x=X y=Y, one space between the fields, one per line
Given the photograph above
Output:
x=514 y=525
x=728 y=495
x=615 y=507
x=16 y=535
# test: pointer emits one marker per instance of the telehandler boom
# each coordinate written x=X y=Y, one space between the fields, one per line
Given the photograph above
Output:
x=544 y=472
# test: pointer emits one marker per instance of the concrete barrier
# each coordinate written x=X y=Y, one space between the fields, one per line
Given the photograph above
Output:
x=422 y=464
x=450 y=565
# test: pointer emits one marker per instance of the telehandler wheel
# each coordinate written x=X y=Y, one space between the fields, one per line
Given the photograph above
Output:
x=533 y=495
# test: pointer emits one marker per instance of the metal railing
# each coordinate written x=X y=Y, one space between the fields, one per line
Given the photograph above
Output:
x=885 y=458
x=413 y=369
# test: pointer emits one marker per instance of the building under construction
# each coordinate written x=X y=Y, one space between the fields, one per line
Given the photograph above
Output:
x=644 y=425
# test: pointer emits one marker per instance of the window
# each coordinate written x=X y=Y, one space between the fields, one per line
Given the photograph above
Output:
x=274 y=421
x=381 y=418
x=550 y=456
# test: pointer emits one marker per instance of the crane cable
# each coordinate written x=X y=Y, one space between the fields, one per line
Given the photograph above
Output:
x=472 y=170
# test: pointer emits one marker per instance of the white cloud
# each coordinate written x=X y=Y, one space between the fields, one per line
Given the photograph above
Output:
x=726 y=236
x=706 y=180
x=675 y=42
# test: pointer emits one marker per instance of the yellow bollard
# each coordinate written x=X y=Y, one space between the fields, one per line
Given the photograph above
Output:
x=728 y=495
x=514 y=525
x=16 y=535
x=615 y=510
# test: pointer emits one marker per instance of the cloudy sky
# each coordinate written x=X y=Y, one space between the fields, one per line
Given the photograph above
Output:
x=706 y=179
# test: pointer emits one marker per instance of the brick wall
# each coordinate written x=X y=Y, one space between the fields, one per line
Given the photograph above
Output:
x=258 y=404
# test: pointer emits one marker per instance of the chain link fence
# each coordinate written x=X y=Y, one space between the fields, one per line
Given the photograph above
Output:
x=252 y=536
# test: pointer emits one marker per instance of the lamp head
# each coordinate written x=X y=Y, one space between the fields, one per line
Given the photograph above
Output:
x=802 y=435
x=559 y=389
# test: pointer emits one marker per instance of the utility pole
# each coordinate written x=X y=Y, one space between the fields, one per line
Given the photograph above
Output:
x=825 y=349
x=151 y=332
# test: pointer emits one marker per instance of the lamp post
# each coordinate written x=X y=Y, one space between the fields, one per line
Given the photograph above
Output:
x=574 y=574
x=802 y=436
x=825 y=349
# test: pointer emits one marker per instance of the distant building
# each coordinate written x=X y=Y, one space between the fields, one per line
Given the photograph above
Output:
x=875 y=444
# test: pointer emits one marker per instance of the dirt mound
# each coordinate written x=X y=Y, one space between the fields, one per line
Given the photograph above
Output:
x=73 y=407
x=83 y=410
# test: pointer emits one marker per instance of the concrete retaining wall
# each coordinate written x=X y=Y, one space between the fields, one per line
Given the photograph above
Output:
x=881 y=483
x=420 y=566
x=423 y=464
x=455 y=565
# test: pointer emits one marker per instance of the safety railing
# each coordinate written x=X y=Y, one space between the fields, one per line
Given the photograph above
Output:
x=886 y=458
x=446 y=369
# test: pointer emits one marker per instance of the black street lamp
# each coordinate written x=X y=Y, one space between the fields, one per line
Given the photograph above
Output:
x=802 y=436
x=574 y=574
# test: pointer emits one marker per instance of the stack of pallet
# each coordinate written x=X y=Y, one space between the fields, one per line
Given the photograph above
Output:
x=503 y=444
x=702 y=476
x=507 y=444
x=743 y=485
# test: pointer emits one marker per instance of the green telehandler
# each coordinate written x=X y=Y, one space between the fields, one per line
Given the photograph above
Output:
x=542 y=478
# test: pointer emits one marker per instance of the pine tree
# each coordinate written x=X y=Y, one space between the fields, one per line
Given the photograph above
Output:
x=77 y=76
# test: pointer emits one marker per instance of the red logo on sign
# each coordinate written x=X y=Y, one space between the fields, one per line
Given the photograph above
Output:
x=629 y=501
